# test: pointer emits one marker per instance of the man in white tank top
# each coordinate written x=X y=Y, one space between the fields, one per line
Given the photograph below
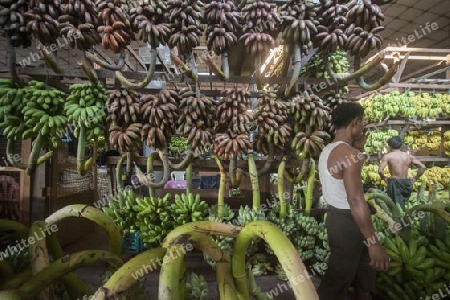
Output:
x=348 y=221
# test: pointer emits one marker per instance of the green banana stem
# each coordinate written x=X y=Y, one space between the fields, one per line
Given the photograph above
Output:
x=254 y=289
x=184 y=67
x=442 y=209
x=221 y=193
x=184 y=163
x=65 y=265
x=150 y=161
x=385 y=79
x=286 y=253
x=14 y=228
x=286 y=61
x=140 y=85
x=170 y=274
x=253 y=173
x=34 y=155
x=95 y=215
x=297 y=69
x=113 y=67
x=163 y=155
x=81 y=149
x=258 y=74
x=204 y=243
x=232 y=173
x=123 y=278
x=11 y=295
x=396 y=215
x=344 y=77
x=189 y=179
x=50 y=59
x=380 y=213
x=17 y=280
x=76 y=288
x=281 y=171
x=119 y=172
x=12 y=61
x=88 y=69
x=6 y=269
x=269 y=161
x=225 y=65
x=298 y=178
x=39 y=258
x=208 y=60
x=310 y=186
x=10 y=154
x=190 y=58
x=129 y=167
x=44 y=157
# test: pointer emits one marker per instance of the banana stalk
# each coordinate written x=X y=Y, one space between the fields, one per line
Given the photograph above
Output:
x=81 y=149
x=345 y=77
x=14 y=228
x=129 y=169
x=258 y=63
x=254 y=289
x=171 y=273
x=39 y=258
x=6 y=269
x=17 y=280
x=221 y=193
x=187 y=71
x=232 y=170
x=140 y=85
x=12 y=61
x=208 y=60
x=270 y=159
x=120 y=57
x=298 y=178
x=34 y=160
x=65 y=265
x=147 y=180
x=284 y=251
x=150 y=160
x=385 y=79
x=119 y=172
x=310 y=186
x=280 y=179
x=11 y=295
x=204 y=243
x=442 y=209
x=205 y=227
x=88 y=69
x=253 y=173
x=396 y=214
x=225 y=66
x=184 y=163
x=123 y=278
x=10 y=150
x=297 y=68
x=95 y=215
x=190 y=58
x=189 y=179
x=380 y=213
x=50 y=59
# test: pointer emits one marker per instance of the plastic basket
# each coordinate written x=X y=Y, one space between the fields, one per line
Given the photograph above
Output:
x=132 y=243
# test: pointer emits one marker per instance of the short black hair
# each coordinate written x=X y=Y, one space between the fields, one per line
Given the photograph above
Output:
x=395 y=142
x=345 y=113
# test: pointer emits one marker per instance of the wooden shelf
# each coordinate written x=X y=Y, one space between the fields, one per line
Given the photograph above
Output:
x=422 y=158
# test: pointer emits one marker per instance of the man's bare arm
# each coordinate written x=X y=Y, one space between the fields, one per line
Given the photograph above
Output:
x=361 y=214
x=383 y=164
x=420 y=167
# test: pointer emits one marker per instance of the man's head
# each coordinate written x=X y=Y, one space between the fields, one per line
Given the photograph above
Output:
x=395 y=142
x=346 y=113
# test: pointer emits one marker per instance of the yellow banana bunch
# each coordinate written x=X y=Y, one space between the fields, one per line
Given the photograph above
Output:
x=377 y=140
x=447 y=142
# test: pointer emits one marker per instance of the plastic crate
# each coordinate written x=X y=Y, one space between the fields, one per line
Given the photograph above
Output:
x=132 y=243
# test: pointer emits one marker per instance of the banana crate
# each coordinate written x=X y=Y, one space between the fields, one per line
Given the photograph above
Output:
x=132 y=243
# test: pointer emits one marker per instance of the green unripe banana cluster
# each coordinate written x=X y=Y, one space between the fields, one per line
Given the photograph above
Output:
x=11 y=103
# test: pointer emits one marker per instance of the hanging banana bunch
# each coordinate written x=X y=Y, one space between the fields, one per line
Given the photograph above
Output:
x=235 y=124
x=43 y=20
x=195 y=122
x=159 y=114
x=78 y=22
x=85 y=109
x=114 y=25
x=223 y=24
x=14 y=23
x=298 y=30
x=12 y=104
x=270 y=115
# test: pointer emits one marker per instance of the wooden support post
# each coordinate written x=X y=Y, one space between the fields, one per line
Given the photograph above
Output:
x=25 y=182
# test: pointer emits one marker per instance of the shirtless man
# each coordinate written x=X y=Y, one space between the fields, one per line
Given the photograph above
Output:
x=399 y=186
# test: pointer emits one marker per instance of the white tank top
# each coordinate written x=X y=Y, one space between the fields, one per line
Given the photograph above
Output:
x=333 y=189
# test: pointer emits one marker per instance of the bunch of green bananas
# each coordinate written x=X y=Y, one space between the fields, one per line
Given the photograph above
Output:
x=154 y=219
x=287 y=224
x=445 y=103
x=121 y=209
x=281 y=273
x=370 y=176
x=246 y=215
x=259 y=264
x=44 y=114
x=307 y=229
x=315 y=67
x=322 y=248
x=447 y=142
x=11 y=116
x=428 y=106
x=197 y=287
x=377 y=140
x=188 y=208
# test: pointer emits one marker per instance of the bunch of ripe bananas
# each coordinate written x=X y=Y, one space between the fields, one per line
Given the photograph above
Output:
x=363 y=25
x=299 y=23
x=122 y=208
x=188 y=208
x=42 y=20
x=428 y=106
x=123 y=107
x=114 y=25
x=149 y=19
x=13 y=22
x=331 y=35
x=195 y=120
x=270 y=115
x=85 y=108
x=377 y=140
x=159 y=114
x=154 y=219
x=331 y=99
x=260 y=27
x=197 y=287
x=370 y=176
x=235 y=123
x=78 y=22
x=222 y=24
x=315 y=67
x=185 y=16
x=445 y=100
x=447 y=142
x=418 y=139
x=11 y=116
x=44 y=114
